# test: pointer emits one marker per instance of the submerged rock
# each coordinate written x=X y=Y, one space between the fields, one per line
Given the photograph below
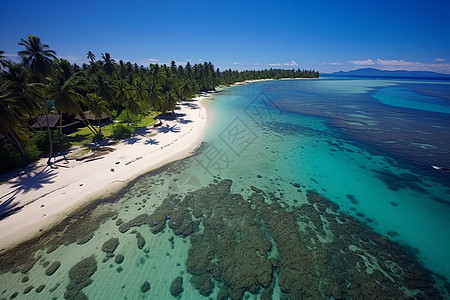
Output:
x=140 y=240
x=255 y=189
x=110 y=245
x=52 y=269
x=119 y=259
x=40 y=288
x=145 y=287
x=203 y=284
x=80 y=277
x=176 y=287
x=28 y=289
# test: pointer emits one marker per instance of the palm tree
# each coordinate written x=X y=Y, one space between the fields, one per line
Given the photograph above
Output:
x=169 y=102
x=155 y=97
x=102 y=86
x=3 y=60
x=67 y=99
x=40 y=58
x=37 y=55
x=91 y=57
x=17 y=78
x=12 y=118
x=123 y=94
x=98 y=106
x=140 y=92
x=108 y=63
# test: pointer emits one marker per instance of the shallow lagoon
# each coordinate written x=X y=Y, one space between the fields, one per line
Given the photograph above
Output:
x=245 y=216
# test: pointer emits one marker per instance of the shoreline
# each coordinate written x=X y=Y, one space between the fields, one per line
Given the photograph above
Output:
x=46 y=196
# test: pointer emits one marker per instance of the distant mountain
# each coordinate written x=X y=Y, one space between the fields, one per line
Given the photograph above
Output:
x=370 y=72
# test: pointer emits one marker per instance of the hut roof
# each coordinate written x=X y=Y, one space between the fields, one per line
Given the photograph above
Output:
x=42 y=121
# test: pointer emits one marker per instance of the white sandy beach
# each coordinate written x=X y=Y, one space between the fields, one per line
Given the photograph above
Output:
x=47 y=195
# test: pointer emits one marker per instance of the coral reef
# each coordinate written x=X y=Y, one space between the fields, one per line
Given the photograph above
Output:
x=176 y=287
x=110 y=245
x=145 y=287
x=80 y=277
x=119 y=259
x=52 y=268
x=316 y=251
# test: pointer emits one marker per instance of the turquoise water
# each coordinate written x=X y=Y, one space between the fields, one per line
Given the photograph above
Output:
x=403 y=97
x=246 y=217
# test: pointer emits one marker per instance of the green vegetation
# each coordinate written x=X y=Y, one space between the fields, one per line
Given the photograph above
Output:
x=121 y=132
x=43 y=85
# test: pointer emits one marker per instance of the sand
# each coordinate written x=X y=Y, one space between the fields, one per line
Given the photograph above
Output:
x=45 y=195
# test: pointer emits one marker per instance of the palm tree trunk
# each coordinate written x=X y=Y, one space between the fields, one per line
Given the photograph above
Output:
x=60 y=122
x=128 y=118
x=50 y=141
x=12 y=138
x=159 y=118
x=88 y=124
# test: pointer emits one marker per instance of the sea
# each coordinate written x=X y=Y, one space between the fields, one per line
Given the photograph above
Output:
x=330 y=188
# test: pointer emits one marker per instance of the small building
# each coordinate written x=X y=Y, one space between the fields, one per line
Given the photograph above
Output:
x=104 y=119
x=53 y=123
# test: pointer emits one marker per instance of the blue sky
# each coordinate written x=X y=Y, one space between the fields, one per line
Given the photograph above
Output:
x=323 y=35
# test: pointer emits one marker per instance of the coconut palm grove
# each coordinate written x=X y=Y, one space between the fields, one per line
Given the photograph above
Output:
x=48 y=104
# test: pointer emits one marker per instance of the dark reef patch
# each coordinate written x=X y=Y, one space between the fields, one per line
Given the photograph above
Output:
x=80 y=277
x=352 y=198
x=176 y=287
x=402 y=181
x=77 y=228
x=52 y=269
x=140 y=240
x=145 y=287
x=110 y=245
x=119 y=259
x=442 y=201
x=316 y=251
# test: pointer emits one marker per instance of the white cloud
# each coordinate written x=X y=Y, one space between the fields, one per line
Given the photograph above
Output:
x=291 y=63
x=255 y=64
x=72 y=58
x=392 y=64
x=146 y=61
x=10 y=55
x=335 y=64
x=440 y=59
x=237 y=63
x=13 y=57
x=400 y=64
x=367 y=62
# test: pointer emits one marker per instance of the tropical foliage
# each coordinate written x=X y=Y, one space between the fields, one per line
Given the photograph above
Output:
x=43 y=84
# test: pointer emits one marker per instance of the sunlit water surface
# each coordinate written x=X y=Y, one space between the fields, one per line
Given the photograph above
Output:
x=262 y=228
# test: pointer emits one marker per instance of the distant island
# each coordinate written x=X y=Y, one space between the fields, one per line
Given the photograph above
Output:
x=371 y=72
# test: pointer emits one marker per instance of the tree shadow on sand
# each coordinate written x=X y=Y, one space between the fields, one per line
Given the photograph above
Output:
x=151 y=142
x=191 y=105
x=167 y=129
x=184 y=121
x=33 y=181
x=131 y=140
x=24 y=183
x=9 y=207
